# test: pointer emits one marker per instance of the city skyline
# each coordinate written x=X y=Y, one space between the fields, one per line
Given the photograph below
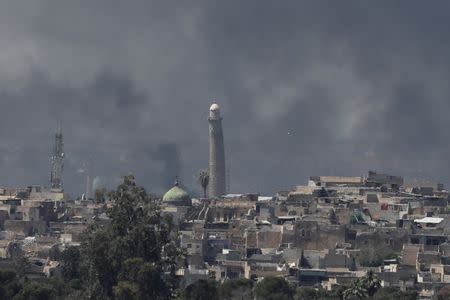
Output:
x=217 y=150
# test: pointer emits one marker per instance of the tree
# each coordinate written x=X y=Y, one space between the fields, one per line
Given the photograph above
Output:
x=203 y=180
x=307 y=293
x=444 y=293
x=13 y=287
x=393 y=293
x=201 y=290
x=42 y=289
x=241 y=289
x=71 y=263
x=151 y=284
x=22 y=265
x=356 y=218
x=137 y=246
x=355 y=291
x=100 y=195
x=363 y=287
x=370 y=283
x=370 y=257
x=9 y=284
x=273 y=288
x=374 y=255
x=36 y=291
x=126 y=290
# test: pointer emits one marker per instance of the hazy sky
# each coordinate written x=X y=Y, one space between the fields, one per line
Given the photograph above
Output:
x=306 y=88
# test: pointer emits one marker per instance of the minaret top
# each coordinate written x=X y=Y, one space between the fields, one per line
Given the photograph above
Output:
x=214 y=107
x=214 y=112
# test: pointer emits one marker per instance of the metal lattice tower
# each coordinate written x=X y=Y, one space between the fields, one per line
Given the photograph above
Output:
x=56 y=181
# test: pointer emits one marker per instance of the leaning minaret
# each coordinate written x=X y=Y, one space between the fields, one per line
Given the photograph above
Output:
x=216 y=153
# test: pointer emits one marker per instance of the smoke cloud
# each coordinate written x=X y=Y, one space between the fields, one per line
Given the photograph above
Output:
x=323 y=87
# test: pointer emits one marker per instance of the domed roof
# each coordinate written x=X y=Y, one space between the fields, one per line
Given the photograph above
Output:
x=177 y=196
x=214 y=106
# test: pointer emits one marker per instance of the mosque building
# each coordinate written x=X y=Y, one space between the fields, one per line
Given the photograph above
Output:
x=176 y=202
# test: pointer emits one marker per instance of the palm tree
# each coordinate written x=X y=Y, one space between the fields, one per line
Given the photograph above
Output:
x=355 y=291
x=203 y=180
x=371 y=283
x=363 y=287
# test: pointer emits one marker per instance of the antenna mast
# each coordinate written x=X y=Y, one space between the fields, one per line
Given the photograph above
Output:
x=56 y=181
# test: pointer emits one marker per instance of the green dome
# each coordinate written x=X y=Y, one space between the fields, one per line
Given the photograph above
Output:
x=177 y=196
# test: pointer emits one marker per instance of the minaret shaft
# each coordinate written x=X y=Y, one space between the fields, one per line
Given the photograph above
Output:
x=216 y=185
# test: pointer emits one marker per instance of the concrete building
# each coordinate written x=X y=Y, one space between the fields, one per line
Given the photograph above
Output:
x=379 y=180
x=216 y=153
x=326 y=181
